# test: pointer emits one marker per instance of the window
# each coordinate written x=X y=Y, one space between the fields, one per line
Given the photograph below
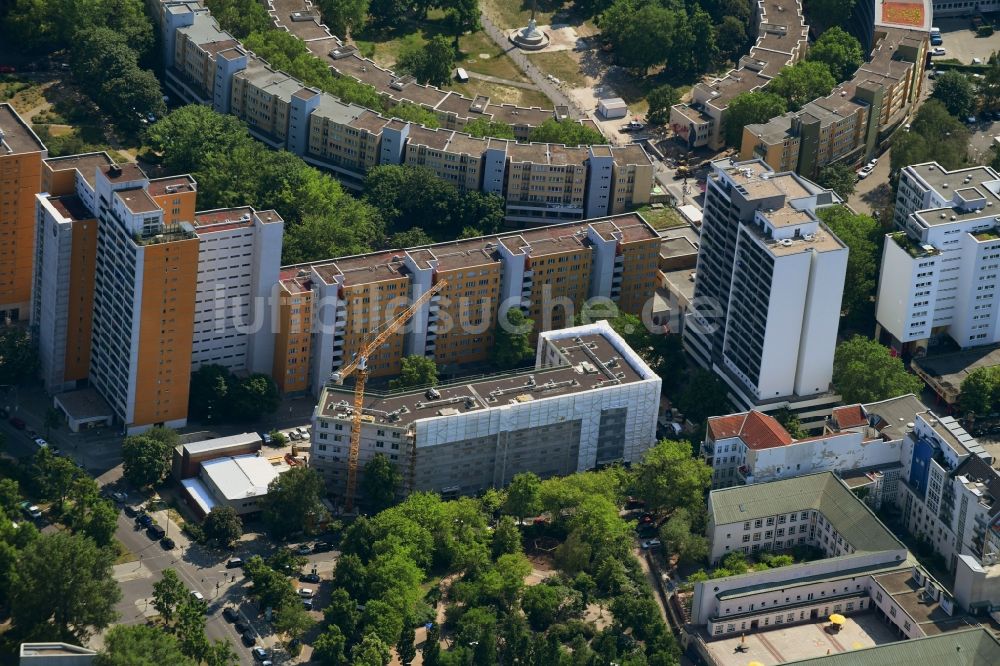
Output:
x=757 y=523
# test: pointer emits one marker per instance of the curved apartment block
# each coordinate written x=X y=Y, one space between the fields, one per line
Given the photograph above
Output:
x=541 y=183
x=848 y=124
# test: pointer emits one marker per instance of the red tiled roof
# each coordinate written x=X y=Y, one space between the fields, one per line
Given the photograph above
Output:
x=851 y=416
x=757 y=430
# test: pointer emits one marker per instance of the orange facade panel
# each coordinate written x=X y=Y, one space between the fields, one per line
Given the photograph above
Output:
x=20 y=180
x=166 y=327
x=79 y=320
x=293 y=342
x=177 y=206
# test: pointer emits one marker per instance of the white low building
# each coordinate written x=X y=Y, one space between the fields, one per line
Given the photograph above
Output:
x=238 y=481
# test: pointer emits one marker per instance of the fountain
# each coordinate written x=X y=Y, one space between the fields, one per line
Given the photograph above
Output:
x=530 y=38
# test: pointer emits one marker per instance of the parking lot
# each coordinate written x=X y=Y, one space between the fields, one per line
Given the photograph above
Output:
x=962 y=43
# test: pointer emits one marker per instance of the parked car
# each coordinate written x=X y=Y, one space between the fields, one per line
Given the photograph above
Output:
x=259 y=653
x=143 y=520
x=865 y=171
x=119 y=497
x=230 y=614
x=234 y=563
x=938 y=51
x=249 y=638
x=31 y=510
x=651 y=543
x=131 y=511
x=322 y=547
x=304 y=549
x=40 y=443
x=294 y=435
x=307 y=604
x=198 y=596
x=17 y=423
x=155 y=532
x=971 y=120
x=307 y=592
x=265 y=437
x=241 y=627
x=309 y=578
x=167 y=543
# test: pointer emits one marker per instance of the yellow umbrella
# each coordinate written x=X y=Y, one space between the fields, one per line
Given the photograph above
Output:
x=755 y=663
x=838 y=619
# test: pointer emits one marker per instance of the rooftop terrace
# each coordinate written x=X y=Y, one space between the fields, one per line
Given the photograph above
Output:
x=16 y=137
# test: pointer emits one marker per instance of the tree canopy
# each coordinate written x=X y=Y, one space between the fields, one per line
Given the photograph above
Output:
x=18 y=355
x=217 y=395
x=484 y=127
x=380 y=481
x=935 y=135
x=865 y=371
x=431 y=62
x=141 y=645
x=223 y=526
x=568 y=132
x=294 y=502
x=836 y=48
x=953 y=89
x=660 y=99
x=840 y=178
x=511 y=339
x=827 y=13
x=415 y=370
x=802 y=82
x=980 y=392
x=146 y=457
x=669 y=477
x=748 y=109
x=862 y=234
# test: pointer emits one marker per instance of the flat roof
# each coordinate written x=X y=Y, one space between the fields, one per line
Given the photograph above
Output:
x=126 y=172
x=240 y=476
x=822 y=492
x=201 y=495
x=982 y=180
x=894 y=414
x=84 y=404
x=945 y=372
x=220 y=443
x=909 y=595
x=137 y=200
x=17 y=136
x=967 y=647
x=171 y=185
x=86 y=163
x=71 y=207
x=592 y=362
x=43 y=650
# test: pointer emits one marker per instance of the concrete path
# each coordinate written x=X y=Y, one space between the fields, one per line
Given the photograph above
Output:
x=504 y=82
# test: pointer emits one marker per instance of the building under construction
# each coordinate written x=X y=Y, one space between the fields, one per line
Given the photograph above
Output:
x=590 y=400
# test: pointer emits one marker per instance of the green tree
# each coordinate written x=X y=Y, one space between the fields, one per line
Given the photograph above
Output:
x=210 y=391
x=935 y=135
x=669 y=477
x=861 y=235
x=431 y=63
x=371 y=651
x=292 y=619
x=573 y=555
x=802 y=82
x=270 y=587
x=642 y=34
x=865 y=371
x=330 y=648
x=140 y=645
x=380 y=482
x=840 y=178
x=240 y=17
x=99 y=522
x=223 y=526
x=463 y=15
x=523 y=498
x=10 y=498
x=317 y=237
x=254 y=396
x=731 y=37
x=980 y=390
x=294 y=502
x=415 y=370
x=827 y=13
x=53 y=419
x=506 y=537
x=956 y=92
x=660 y=100
x=415 y=114
x=168 y=595
x=568 y=132
x=679 y=537
x=387 y=13
x=406 y=648
x=541 y=604
x=18 y=355
x=183 y=136
x=190 y=628
x=342 y=611
x=750 y=108
x=432 y=646
x=485 y=127
x=704 y=395
x=790 y=422
x=64 y=579
x=344 y=16
x=511 y=345
x=55 y=476
x=145 y=459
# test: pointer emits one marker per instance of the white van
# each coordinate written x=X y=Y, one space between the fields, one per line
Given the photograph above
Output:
x=461 y=75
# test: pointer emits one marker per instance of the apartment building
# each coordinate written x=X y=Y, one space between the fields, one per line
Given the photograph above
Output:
x=133 y=290
x=863 y=568
x=851 y=123
x=21 y=155
x=939 y=272
x=589 y=400
x=547 y=271
x=769 y=282
x=782 y=39
x=541 y=183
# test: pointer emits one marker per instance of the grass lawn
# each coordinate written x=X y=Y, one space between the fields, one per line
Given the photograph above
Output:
x=661 y=218
x=474 y=46
x=515 y=13
x=501 y=94
x=561 y=65
x=124 y=554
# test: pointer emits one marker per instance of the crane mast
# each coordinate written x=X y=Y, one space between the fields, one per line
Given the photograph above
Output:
x=359 y=365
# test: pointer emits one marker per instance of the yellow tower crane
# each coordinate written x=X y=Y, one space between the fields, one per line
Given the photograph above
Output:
x=360 y=364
